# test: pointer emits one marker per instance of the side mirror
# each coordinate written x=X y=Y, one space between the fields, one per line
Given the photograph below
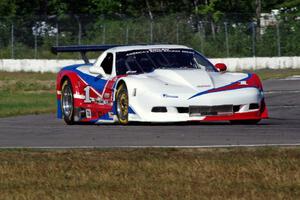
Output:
x=221 y=67
x=97 y=70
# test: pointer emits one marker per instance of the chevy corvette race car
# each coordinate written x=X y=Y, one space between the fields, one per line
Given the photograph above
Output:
x=155 y=83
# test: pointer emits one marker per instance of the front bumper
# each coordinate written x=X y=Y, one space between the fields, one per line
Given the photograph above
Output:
x=241 y=100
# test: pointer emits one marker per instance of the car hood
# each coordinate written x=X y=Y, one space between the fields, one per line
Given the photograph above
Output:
x=185 y=81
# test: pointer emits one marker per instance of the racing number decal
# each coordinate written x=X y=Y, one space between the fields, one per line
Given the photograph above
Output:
x=87 y=94
x=106 y=93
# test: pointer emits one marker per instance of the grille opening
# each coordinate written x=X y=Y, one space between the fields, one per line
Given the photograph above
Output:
x=211 y=110
x=236 y=108
x=159 y=109
x=253 y=106
x=80 y=112
x=183 y=109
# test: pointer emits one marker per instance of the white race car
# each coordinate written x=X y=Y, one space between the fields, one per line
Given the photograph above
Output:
x=155 y=83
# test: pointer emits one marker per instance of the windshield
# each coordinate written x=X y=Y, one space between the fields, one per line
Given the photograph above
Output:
x=144 y=61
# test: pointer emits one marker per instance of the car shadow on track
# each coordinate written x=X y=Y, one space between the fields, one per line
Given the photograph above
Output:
x=221 y=123
x=132 y=124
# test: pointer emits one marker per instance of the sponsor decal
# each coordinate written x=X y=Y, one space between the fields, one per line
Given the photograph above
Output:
x=78 y=96
x=88 y=113
x=110 y=114
x=106 y=95
x=243 y=83
x=169 y=96
x=201 y=86
x=157 y=50
x=134 y=92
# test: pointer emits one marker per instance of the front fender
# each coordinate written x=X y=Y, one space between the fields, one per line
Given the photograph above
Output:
x=76 y=83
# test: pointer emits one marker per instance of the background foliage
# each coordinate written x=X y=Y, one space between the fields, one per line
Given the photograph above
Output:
x=216 y=28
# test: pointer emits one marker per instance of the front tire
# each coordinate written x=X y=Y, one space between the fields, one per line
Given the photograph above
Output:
x=67 y=102
x=122 y=104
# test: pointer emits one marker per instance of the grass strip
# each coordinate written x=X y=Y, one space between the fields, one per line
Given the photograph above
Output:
x=237 y=173
x=21 y=103
x=27 y=93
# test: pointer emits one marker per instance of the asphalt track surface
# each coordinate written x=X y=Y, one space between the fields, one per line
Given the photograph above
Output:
x=283 y=128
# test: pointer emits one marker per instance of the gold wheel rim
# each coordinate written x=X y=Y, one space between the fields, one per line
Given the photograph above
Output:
x=123 y=108
x=124 y=104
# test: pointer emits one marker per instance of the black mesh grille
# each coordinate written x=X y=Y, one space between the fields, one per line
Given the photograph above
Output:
x=159 y=109
x=210 y=110
x=236 y=108
x=183 y=109
x=253 y=106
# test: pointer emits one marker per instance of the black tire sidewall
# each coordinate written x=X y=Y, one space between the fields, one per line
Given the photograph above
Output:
x=68 y=119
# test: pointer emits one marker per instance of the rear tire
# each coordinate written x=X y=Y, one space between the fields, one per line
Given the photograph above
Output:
x=245 y=122
x=67 y=102
x=122 y=104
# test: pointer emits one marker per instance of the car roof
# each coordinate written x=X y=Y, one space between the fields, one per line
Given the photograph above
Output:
x=140 y=47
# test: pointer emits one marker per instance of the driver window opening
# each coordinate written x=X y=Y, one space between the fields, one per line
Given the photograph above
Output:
x=107 y=63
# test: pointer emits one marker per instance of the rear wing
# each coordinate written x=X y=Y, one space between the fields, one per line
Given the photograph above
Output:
x=83 y=49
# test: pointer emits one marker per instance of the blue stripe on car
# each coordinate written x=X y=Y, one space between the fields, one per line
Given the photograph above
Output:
x=59 y=113
x=211 y=90
x=96 y=82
